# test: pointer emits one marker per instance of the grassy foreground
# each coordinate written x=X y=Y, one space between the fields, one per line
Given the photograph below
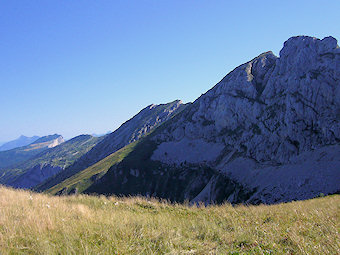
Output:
x=40 y=224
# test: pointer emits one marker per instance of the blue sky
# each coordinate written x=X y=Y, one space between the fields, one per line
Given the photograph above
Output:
x=74 y=67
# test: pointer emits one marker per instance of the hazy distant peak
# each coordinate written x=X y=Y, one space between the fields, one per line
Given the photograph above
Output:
x=19 y=142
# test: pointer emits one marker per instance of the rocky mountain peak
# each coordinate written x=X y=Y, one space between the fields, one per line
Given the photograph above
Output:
x=270 y=108
x=298 y=44
x=302 y=53
x=266 y=113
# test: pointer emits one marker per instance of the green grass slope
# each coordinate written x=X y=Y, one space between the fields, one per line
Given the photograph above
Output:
x=85 y=178
x=40 y=224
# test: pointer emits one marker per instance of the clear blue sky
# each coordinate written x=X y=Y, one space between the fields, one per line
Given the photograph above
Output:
x=74 y=67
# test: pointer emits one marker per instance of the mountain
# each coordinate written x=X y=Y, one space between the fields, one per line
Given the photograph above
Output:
x=21 y=141
x=18 y=155
x=268 y=132
x=132 y=130
x=48 y=163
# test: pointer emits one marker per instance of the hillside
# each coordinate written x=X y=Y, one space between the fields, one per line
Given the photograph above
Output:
x=132 y=130
x=49 y=162
x=21 y=154
x=39 y=224
x=64 y=154
x=82 y=180
x=21 y=141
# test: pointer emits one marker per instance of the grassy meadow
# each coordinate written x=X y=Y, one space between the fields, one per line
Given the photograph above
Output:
x=33 y=223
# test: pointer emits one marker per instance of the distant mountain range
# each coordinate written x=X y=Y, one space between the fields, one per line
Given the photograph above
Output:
x=15 y=156
x=21 y=141
x=48 y=162
x=268 y=132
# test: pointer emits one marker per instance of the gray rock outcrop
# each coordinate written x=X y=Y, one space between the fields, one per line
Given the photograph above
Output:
x=267 y=111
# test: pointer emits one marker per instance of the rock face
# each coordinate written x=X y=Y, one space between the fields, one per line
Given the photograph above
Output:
x=132 y=130
x=305 y=176
x=56 y=142
x=256 y=127
x=270 y=108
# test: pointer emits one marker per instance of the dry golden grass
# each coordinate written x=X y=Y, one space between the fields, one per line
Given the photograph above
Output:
x=40 y=224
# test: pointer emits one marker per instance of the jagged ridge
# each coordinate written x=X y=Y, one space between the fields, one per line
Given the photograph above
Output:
x=132 y=130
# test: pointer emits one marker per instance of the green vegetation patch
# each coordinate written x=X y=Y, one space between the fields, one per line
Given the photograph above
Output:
x=83 y=179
